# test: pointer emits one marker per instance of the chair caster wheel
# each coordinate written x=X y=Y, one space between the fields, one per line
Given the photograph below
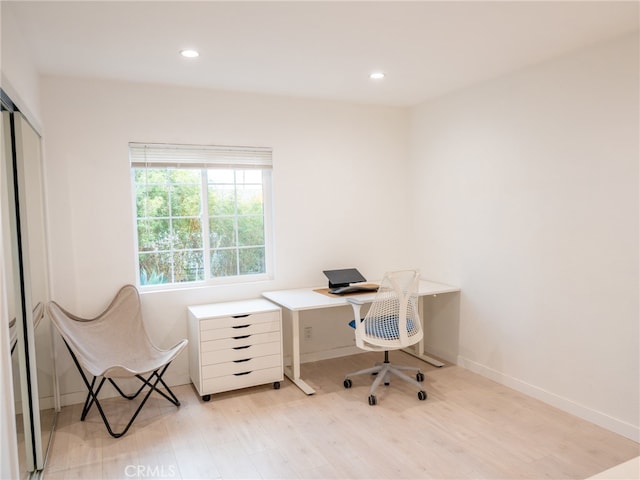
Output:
x=206 y=398
x=372 y=400
x=276 y=385
x=347 y=383
x=422 y=395
x=420 y=377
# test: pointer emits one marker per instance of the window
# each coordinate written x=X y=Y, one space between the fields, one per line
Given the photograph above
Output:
x=202 y=213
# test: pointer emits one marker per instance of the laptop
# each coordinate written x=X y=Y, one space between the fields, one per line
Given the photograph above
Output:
x=347 y=280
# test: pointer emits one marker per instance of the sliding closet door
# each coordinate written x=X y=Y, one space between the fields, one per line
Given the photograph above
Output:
x=13 y=453
x=30 y=274
x=35 y=280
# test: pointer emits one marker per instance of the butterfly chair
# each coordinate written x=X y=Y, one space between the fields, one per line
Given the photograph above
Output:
x=115 y=345
x=391 y=323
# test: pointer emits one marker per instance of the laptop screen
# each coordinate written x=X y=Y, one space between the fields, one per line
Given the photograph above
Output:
x=343 y=277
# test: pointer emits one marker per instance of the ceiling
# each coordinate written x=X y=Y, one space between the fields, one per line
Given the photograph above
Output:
x=312 y=49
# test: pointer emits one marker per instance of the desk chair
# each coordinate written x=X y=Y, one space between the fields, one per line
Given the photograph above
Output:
x=113 y=346
x=392 y=323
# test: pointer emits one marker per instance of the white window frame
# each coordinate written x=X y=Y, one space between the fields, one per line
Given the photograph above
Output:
x=148 y=155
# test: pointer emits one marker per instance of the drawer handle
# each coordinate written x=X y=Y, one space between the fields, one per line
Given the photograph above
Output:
x=241 y=337
x=241 y=348
x=241 y=361
x=243 y=373
x=242 y=326
x=240 y=316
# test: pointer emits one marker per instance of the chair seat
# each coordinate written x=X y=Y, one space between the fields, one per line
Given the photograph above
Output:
x=141 y=365
x=386 y=329
x=115 y=345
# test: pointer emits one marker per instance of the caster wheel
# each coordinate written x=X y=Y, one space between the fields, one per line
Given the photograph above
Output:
x=206 y=398
x=347 y=383
x=420 y=377
x=372 y=400
x=276 y=385
x=422 y=395
x=386 y=384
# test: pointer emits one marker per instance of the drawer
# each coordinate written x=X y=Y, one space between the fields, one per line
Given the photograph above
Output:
x=236 y=320
x=232 y=382
x=240 y=341
x=240 y=330
x=241 y=367
x=240 y=353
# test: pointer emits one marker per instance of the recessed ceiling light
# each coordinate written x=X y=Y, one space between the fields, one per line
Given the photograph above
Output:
x=376 y=75
x=189 y=53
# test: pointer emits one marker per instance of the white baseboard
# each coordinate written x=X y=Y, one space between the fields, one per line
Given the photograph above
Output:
x=325 y=354
x=601 y=419
x=45 y=404
x=446 y=355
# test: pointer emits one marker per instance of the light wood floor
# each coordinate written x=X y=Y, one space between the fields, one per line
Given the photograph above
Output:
x=468 y=428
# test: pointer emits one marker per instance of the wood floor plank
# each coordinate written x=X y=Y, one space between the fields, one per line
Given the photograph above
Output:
x=468 y=428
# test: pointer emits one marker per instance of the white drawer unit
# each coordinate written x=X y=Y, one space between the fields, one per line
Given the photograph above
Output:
x=235 y=345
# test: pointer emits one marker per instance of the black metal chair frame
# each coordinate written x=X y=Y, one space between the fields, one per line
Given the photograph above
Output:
x=92 y=396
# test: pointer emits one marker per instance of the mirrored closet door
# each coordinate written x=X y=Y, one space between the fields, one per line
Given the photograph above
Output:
x=27 y=287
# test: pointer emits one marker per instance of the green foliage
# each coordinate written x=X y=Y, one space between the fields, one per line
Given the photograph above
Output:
x=152 y=278
x=169 y=208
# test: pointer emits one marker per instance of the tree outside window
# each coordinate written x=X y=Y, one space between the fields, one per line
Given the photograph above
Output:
x=199 y=224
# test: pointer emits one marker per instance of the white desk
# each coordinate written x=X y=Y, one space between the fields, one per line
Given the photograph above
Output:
x=301 y=299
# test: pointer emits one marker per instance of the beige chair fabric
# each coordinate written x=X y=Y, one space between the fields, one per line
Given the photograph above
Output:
x=115 y=345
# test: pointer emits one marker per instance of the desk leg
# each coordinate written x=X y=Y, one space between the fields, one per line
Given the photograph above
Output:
x=293 y=373
x=423 y=357
x=418 y=352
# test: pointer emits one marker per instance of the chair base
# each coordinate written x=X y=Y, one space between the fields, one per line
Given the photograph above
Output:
x=384 y=371
x=152 y=382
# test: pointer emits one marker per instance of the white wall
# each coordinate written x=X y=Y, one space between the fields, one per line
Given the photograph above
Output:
x=526 y=188
x=326 y=156
x=19 y=77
